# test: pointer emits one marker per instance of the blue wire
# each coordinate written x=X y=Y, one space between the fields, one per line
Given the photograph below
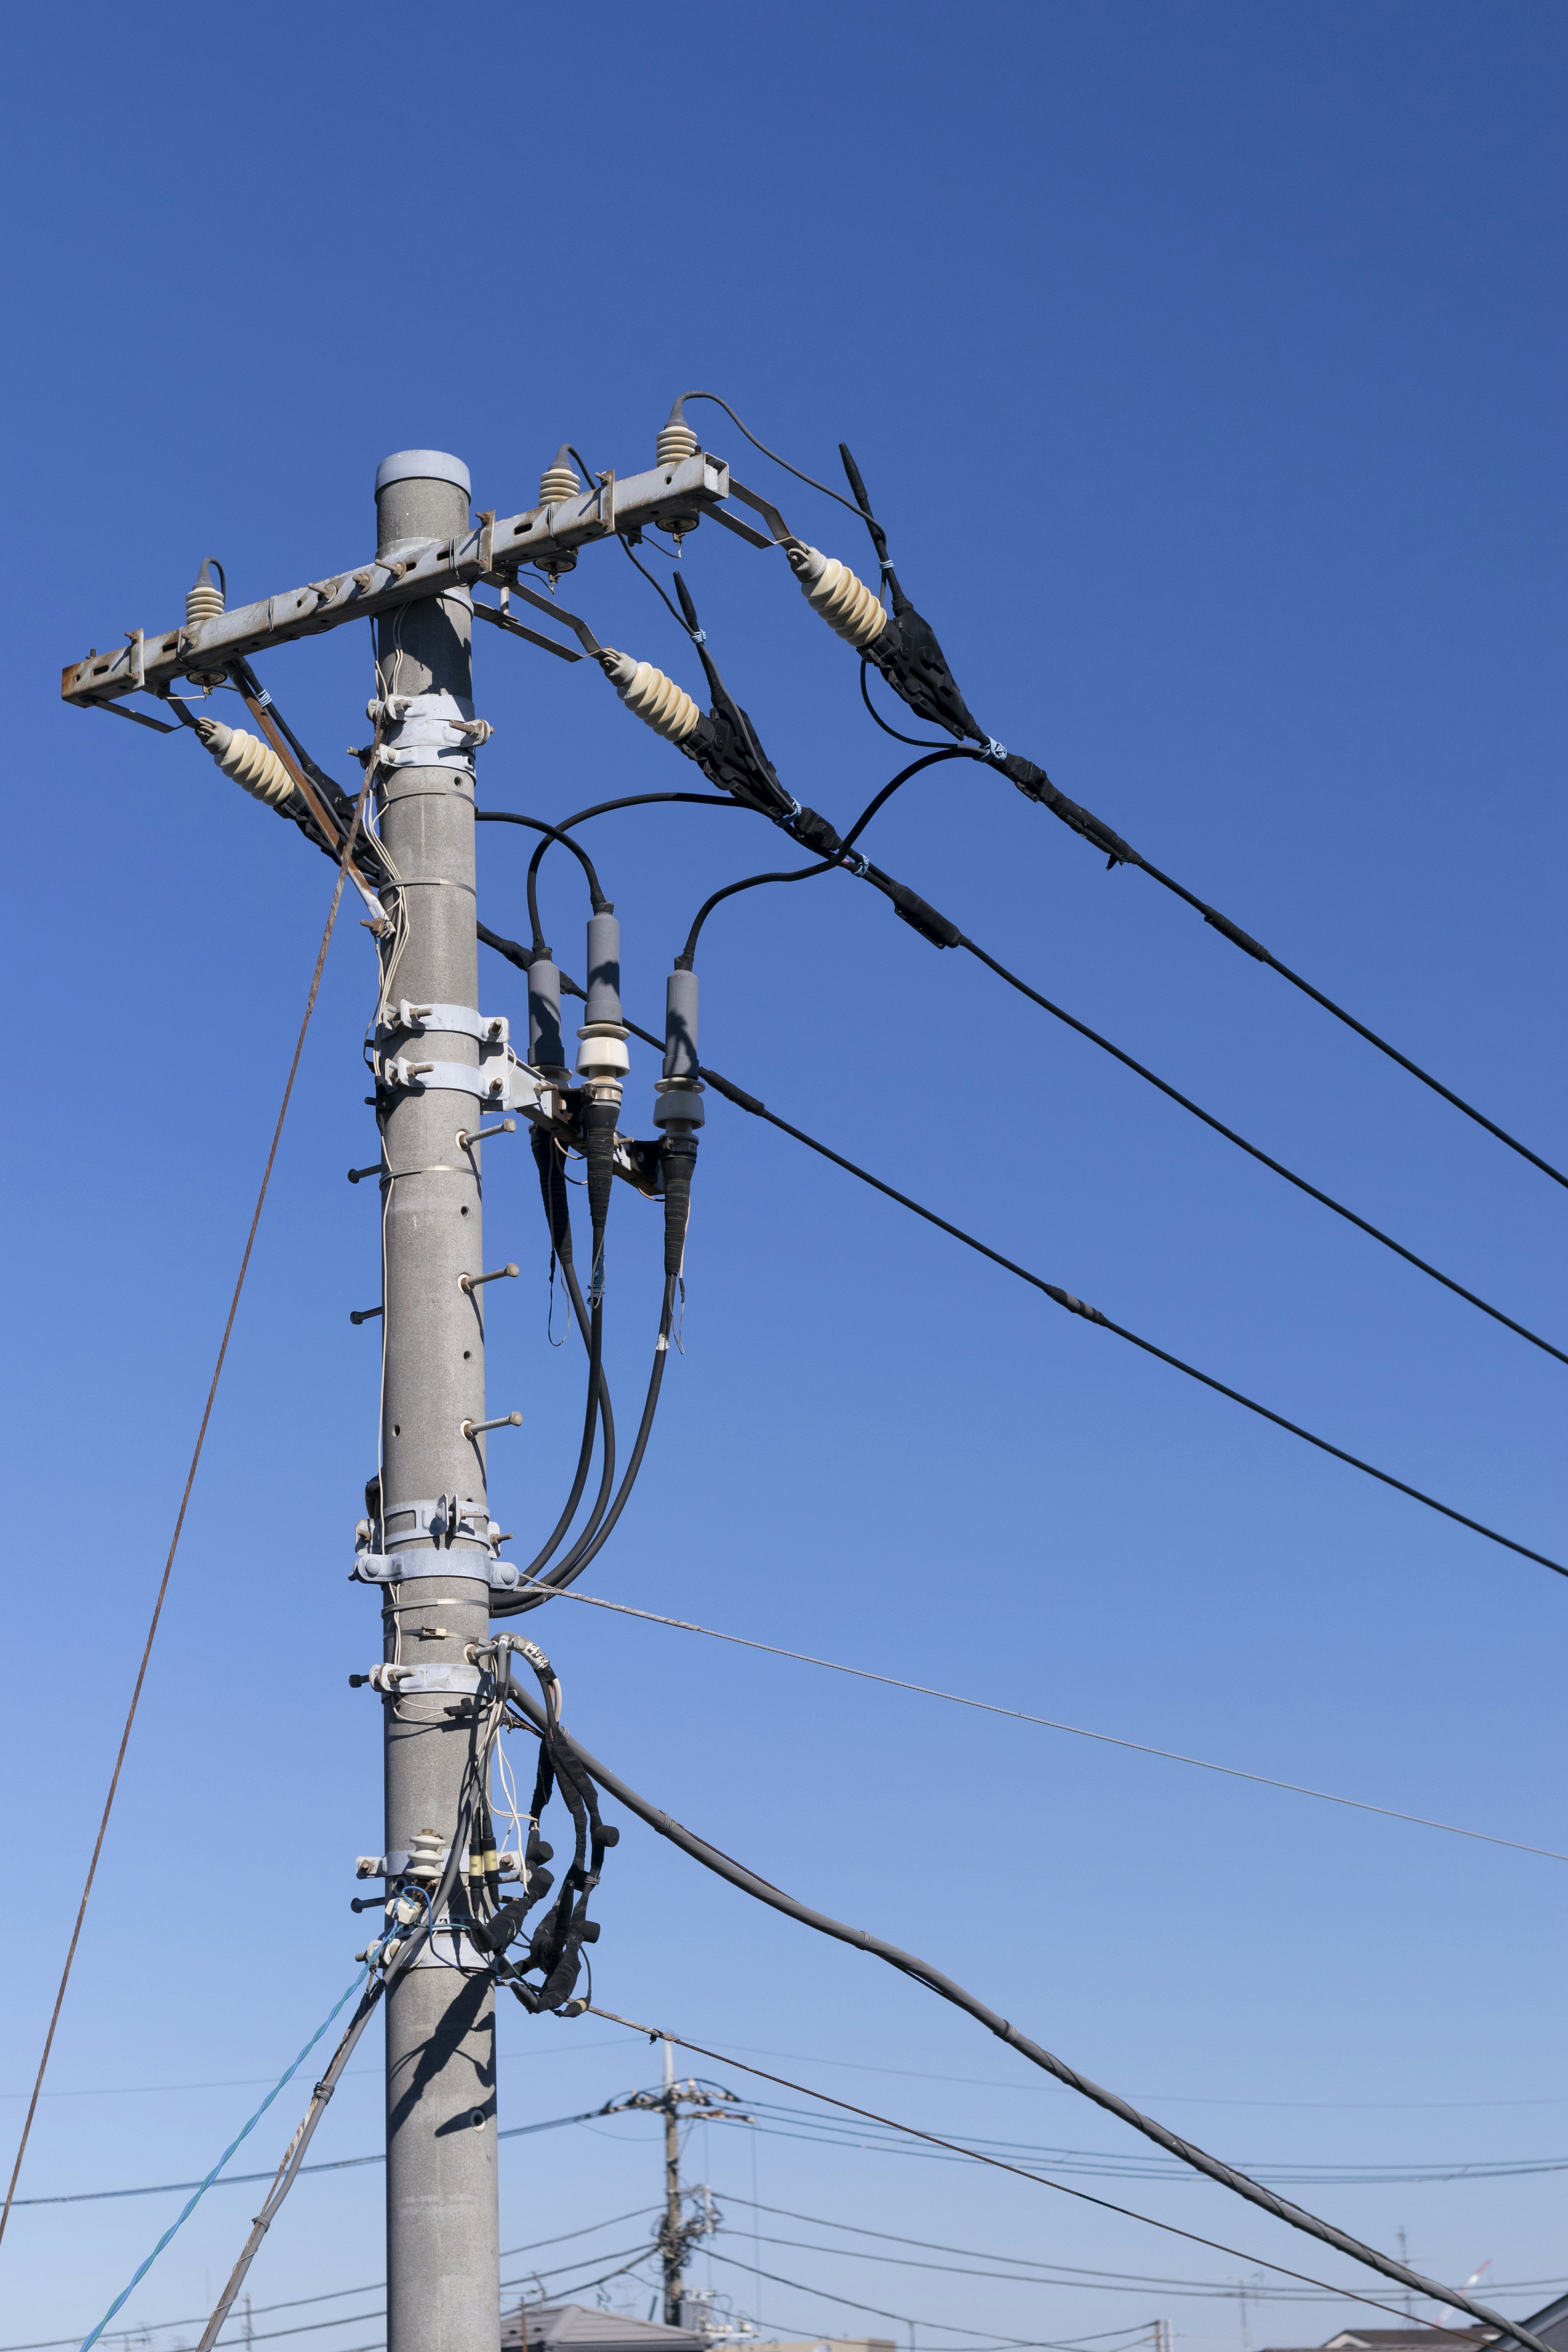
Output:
x=140 y=2273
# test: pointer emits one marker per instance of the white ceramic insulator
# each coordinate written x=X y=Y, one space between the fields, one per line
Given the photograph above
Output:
x=676 y=443
x=656 y=700
x=427 y=1855
x=203 y=602
x=256 y=766
x=557 y=482
x=844 y=602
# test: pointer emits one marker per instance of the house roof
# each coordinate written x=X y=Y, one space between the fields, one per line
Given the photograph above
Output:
x=572 y=2327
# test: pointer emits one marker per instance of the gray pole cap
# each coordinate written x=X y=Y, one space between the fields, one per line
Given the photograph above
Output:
x=421 y=466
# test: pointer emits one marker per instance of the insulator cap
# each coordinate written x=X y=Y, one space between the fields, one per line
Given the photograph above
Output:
x=844 y=602
x=676 y=441
x=654 y=699
x=253 y=764
x=559 y=479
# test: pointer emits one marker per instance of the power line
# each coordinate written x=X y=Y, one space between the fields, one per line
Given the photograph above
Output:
x=1449 y=2295
x=1070 y=2272
x=1265 y=1159
x=947 y=1989
x=1065 y=1298
x=1018 y=1715
x=350 y=837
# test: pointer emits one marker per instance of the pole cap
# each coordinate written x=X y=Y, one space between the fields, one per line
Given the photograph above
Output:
x=421 y=466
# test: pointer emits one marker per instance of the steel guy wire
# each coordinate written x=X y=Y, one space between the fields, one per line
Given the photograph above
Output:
x=1048 y=1723
x=190 y=1481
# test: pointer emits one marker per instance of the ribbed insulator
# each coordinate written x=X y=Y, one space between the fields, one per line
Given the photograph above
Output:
x=676 y=443
x=844 y=602
x=656 y=700
x=203 y=602
x=253 y=764
x=427 y=1855
x=559 y=480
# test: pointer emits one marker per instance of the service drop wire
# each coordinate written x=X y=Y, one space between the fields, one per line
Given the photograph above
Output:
x=1280 y=2208
x=244 y=2132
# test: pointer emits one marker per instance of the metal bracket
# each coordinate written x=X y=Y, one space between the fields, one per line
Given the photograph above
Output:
x=475 y=1567
x=501 y=1081
x=516 y=629
x=453 y=1020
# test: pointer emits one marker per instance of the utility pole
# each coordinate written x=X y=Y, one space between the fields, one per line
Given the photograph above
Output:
x=443 y=2238
x=671 y=2239
x=676 y=2237
x=428 y=1541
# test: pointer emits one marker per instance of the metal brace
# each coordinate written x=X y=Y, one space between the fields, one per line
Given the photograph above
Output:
x=454 y=1019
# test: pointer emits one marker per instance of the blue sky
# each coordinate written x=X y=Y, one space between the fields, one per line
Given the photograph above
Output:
x=1205 y=361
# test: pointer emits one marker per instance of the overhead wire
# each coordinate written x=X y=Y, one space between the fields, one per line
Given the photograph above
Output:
x=1219 y=1126
x=350 y=837
x=1451 y=2298
x=1064 y=1298
x=947 y=1989
x=1047 y=1723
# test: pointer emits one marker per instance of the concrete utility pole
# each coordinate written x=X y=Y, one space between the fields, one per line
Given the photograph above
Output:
x=672 y=2238
x=443 y=2241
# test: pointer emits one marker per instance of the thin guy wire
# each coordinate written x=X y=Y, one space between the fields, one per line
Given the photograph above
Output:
x=1128 y=2213
x=190 y=1482
x=1048 y=1723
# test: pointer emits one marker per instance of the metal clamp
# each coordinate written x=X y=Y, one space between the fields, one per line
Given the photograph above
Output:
x=473 y=1566
x=453 y=1020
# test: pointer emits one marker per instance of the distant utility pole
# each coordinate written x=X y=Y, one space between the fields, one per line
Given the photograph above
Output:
x=676 y=2236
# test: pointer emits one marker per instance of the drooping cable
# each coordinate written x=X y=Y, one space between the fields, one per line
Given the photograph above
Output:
x=809 y=479
x=751 y=882
x=594 y=1535
x=351 y=835
x=921 y=1972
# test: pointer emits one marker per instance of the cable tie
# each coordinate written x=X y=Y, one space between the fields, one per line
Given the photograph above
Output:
x=856 y=865
x=995 y=751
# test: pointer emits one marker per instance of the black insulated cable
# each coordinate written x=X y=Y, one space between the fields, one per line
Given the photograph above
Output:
x=1280 y=2208
x=1037 y=786
x=1265 y=1159
x=1065 y=1298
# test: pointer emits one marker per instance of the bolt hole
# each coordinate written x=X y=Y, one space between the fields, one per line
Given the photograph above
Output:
x=477 y=2119
x=462 y=1212
x=467 y=1354
x=397 y=1429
